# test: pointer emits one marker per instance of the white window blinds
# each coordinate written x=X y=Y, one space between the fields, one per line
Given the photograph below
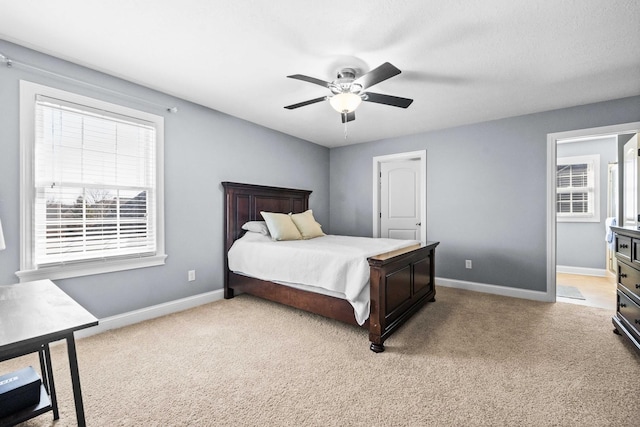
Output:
x=95 y=184
x=577 y=188
x=573 y=195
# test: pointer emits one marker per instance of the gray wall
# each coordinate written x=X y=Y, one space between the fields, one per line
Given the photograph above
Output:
x=202 y=148
x=486 y=190
x=582 y=244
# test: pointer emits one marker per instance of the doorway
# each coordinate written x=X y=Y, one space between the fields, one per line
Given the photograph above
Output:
x=553 y=201
x=399 y=196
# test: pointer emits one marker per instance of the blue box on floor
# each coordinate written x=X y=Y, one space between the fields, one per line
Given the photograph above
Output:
x=19 y=390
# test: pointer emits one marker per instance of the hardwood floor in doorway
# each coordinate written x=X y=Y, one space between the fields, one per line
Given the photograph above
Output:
x=597 y=291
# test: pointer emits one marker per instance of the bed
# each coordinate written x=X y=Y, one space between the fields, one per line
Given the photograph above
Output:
x=400 y=281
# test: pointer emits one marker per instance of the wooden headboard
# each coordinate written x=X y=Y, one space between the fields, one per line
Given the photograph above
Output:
x=243 y=202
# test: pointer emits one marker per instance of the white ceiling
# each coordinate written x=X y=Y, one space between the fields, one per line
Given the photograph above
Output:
x=462 y=61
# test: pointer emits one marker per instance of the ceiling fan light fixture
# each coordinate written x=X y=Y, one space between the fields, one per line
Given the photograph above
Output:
x=346 y=92
x=345 y=102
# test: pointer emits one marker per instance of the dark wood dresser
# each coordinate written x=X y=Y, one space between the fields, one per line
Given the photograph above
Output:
x=627 y=318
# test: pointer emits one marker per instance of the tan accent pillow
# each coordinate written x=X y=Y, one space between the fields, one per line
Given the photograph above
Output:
x=281 y=227
x=307 y=224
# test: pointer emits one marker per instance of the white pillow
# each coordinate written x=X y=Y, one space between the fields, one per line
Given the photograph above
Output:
x=281 y=227
x=256 y=227
x=307 y=225
x=256 y=237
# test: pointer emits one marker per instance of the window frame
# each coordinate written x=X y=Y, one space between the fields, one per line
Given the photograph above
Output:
x=593 y=188
x=28 y=270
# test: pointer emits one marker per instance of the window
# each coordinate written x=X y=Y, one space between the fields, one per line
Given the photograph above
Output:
x=577 y=195
x=91 y=185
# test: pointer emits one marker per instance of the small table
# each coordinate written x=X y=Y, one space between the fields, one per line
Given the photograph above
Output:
x=32 y=315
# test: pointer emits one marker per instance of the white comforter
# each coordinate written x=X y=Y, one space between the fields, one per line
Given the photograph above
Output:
x=337 y=264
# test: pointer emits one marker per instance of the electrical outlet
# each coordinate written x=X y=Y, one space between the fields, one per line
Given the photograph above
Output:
x=191 y=275
x=468 y=264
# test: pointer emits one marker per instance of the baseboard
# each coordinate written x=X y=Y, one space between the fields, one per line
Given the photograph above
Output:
x=599 y=272
x=147 y=313
x=494 y=289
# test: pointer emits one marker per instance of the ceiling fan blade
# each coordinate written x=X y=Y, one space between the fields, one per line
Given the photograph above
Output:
x=302 y=104
x=377 y=75
x=309 y=79
x=395 y=101
x=348 y=117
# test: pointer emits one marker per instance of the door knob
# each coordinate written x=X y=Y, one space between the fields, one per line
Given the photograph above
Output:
x=418 y=224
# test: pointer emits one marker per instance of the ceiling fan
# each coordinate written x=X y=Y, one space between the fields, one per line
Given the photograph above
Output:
x=347 y=91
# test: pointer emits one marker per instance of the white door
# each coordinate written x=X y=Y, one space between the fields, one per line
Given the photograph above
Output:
x=400 y=200
x=630 y=183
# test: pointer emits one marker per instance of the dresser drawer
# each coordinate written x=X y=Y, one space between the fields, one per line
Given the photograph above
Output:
x=635 y=252
x=629 y=312
x=629 y=278
x=623 y=246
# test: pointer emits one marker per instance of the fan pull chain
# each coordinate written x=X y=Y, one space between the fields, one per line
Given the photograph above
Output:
x=345 y=130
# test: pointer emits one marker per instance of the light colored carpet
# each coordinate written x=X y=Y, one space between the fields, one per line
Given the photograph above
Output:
x=568 y=292
x=467 y=359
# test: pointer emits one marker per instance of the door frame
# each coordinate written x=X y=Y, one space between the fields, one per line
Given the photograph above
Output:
x=552 y=141
x=420 y=156
x=610 y=266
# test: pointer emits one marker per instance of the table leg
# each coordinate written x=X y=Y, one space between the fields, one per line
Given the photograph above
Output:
x=52 y=386
x=75 y=379
x=43 y=369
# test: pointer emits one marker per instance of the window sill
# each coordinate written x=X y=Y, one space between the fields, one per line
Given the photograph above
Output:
x=577 y=219
x=89 y=268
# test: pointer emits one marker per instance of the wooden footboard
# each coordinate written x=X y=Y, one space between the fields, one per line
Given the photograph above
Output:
x=401 y=282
